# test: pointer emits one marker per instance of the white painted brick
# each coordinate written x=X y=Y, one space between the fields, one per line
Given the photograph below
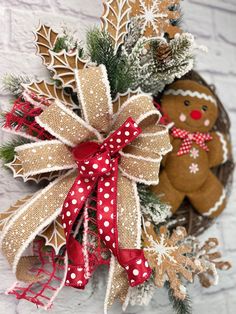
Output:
x=226 y=5
x=191 y=14
x=225 y=85
x=26 y=4
x=7 y=304
x=23 y=23
x=231 y=301
x=19 y=62
x=4 y=15
x=78 y=7
x=220 y=58
x=226 y=28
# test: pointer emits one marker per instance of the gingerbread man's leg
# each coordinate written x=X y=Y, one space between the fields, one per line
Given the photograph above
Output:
x=210 y=199
x=167 y=193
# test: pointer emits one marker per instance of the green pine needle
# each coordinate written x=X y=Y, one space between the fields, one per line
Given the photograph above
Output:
x=151 y=205
x=7 y=150
x=101 y=51
x=62 y=44
x=179 y=306
x=12 y=83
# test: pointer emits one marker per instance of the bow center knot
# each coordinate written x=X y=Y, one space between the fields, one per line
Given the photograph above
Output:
x=92 y=159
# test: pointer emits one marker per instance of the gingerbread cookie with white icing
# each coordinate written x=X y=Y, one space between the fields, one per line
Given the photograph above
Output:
x=196 y=149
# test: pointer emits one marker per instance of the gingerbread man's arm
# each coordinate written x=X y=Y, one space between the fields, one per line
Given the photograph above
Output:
x=164 y=158
x=219 y=149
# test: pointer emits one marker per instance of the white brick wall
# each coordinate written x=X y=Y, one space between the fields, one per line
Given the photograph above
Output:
x=214 y=24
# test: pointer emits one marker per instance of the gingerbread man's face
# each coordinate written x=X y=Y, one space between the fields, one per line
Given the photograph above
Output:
x=190 y=106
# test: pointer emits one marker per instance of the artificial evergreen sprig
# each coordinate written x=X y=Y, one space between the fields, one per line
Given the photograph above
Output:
x=142 y=294
x=179 y=306
x=101 y=51
x=151 y=206
x=152 y=73
x=7 y=150
x=69 y=43
x=12 y=83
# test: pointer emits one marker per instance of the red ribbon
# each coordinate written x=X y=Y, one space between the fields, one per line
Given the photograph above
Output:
x=98 y=166
x=188 y=139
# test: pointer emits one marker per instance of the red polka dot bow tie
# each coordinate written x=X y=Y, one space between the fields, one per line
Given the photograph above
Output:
x=98 y=168
x=188 y=139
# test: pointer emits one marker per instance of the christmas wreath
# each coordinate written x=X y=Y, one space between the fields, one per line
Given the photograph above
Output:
x=95 y=139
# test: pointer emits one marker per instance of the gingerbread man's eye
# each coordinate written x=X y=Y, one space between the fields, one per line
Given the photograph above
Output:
x=187 y=103
x=204 y=108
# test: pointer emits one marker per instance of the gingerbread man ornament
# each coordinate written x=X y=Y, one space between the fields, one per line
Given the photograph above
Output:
x=186 y=171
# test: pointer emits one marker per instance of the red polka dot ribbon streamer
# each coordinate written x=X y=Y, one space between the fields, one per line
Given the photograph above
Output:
x=98 y=166
x=188 y=139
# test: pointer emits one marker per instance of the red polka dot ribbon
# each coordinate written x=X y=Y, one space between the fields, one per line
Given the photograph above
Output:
x=98 y=167
x=188 y=139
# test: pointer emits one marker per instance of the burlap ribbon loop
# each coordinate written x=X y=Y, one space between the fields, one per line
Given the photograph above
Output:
x=44 y=157
x=138 y=162
x=65 y=125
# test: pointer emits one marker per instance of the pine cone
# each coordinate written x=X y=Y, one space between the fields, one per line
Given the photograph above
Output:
x=164 y=53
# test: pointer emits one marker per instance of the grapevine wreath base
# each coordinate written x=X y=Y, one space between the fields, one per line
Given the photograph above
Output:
x=92 y=139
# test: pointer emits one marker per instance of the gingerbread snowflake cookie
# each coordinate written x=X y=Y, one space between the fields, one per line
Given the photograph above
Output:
x=196 y=149
x=156 y=16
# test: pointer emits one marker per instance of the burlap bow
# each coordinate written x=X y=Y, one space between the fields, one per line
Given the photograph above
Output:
x=139 y=162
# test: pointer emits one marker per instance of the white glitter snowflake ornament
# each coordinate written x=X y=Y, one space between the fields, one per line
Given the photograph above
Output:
x=193 y=168
x=166 y=254
x=194 y=153
x=156 y=16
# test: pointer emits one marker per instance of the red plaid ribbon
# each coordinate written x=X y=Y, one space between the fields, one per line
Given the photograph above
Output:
x=188 y=139
x=98 y=168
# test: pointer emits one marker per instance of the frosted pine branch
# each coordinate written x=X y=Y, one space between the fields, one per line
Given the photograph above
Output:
x=12 y=83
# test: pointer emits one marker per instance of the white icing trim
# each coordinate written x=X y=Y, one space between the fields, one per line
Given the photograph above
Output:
x=52 y=67
x=74 y=116
x=181 y=92
x=119 y=15
x=217 y=205
x=109 y=282
x=36 y=34
x=48 y=176
x=224 y=146
x=20 y=133
x=39 y=229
